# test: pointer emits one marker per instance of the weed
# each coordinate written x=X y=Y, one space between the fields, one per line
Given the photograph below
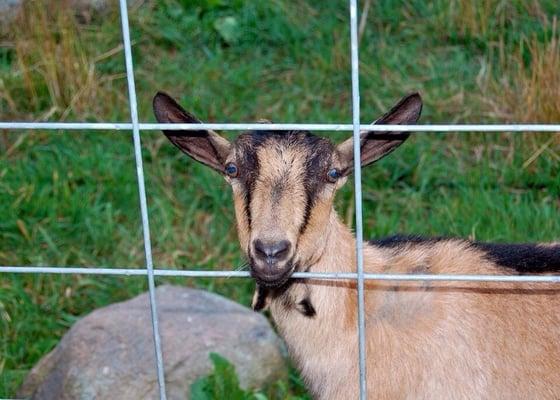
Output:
x=223 y=383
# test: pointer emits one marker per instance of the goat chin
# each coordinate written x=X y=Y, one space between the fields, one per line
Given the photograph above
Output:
x=278 y=282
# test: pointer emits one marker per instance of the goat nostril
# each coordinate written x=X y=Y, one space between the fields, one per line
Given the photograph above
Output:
x=272 y=251
x=280 y=249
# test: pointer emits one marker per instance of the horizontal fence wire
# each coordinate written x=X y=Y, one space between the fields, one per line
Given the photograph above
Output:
x=359 y=276
x=442 y=128
x=192 y=273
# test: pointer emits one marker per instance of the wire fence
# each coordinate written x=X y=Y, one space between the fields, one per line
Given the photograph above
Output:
x=360 y=276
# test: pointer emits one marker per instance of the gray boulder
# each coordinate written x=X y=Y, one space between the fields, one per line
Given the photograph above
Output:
x=83 y=8
x=109 y=354
x=9 y=9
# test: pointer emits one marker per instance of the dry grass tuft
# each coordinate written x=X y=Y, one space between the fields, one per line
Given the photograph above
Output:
x=472 y=18
x=53 y=73
x=51 y=57
x=533 y=94
x=528 y=87
x=483 y=18
x=527 y=90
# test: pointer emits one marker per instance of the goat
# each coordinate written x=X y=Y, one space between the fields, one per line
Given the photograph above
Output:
x=424 y=340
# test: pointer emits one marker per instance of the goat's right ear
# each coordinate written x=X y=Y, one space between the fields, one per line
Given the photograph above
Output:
x=205 y=146
x=375 y=145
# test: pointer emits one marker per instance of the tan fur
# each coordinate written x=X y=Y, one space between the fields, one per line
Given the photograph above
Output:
x=277 y=219
x=273 y=217
x=425 y=340
x=242 y=222
x=436 y=340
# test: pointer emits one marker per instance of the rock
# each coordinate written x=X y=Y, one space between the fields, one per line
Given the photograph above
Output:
x=84 y=9
x=109 y=354
x=8 y=10
x=97 y=5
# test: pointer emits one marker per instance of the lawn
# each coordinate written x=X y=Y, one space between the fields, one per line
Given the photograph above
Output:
x=69 y=198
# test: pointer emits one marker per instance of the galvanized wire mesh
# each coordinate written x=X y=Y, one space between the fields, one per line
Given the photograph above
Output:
x=360 y=276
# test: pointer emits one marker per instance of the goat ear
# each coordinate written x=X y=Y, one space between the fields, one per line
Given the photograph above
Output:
x=376 y=145
x=205 y=146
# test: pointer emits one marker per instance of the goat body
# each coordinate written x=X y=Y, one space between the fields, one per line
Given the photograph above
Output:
x=424 y=340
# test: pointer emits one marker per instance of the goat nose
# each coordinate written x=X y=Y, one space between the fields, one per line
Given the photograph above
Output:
x=271 y=251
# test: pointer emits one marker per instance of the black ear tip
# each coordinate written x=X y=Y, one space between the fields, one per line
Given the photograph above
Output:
x=164 y=104
x=161 y=98
x=158 y=99
x=414 y=98
x=158 y=105
x=414 y=101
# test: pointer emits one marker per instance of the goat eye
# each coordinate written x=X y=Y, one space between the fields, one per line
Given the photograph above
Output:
x=231 y=170
x=333 y=175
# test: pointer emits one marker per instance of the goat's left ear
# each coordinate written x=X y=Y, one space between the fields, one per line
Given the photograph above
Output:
x=205 y=146
x=375 y=145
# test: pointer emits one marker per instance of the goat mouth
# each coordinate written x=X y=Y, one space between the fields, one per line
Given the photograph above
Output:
x=272 y=280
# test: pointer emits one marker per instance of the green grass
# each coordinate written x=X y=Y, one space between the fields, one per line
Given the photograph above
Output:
x=70 y=198
x=223 y=383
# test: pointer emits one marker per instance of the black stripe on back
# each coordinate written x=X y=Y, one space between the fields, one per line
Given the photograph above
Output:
x=522 y=258
x=400 y=240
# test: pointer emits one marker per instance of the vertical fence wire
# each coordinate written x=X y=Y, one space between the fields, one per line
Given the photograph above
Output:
x=358 y=194
x=142 y=195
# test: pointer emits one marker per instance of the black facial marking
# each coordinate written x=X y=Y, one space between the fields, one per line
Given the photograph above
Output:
x=248 y=206
x=248 y=166
x=522 y=258
x=260 y=302
x=307 y=212
x=306 y=308
x=317 y=150
x=290 y=303
x=316 y=169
